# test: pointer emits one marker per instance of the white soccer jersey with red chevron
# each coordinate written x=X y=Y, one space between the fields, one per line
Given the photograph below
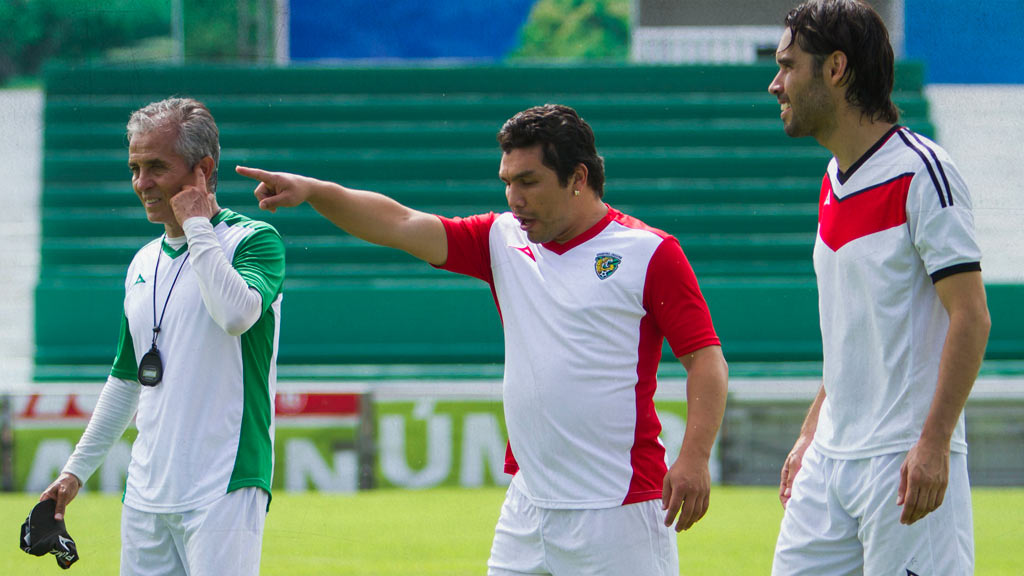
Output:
x=584 y=324
x=896 y=222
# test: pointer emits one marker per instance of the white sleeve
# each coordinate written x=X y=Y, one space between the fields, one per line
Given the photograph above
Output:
x=232 y=303
x=115 y=408
x=941 y=220
x=939 y=213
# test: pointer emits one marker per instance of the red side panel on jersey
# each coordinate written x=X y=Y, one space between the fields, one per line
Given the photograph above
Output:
x=862 y=213
x=469 y=253
x=647 y=456
x=511 y=466
x=676 y=310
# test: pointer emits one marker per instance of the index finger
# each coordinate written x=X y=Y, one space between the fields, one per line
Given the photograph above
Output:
x=62 y=503
x=901 y=491
x=61 y=494
x=200 y=177
x=254 y=173
x=784 y=479
x=910 y=505
x=672 y=510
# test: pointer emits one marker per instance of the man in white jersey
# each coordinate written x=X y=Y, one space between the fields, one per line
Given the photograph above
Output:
x=196 y=364
x=586 y=295
x=877 y=480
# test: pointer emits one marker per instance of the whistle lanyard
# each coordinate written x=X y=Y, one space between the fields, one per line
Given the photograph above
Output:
x=156 y=271
x=151 y=368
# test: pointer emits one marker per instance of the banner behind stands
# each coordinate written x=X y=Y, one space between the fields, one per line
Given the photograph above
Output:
x=325 y=441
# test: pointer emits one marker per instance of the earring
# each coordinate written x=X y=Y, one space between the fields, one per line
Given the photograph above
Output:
x=575 y=192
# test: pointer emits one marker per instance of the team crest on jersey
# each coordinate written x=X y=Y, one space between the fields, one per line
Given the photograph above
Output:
x=605 y=264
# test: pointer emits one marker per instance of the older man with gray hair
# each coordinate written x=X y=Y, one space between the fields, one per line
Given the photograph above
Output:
x=195 y=363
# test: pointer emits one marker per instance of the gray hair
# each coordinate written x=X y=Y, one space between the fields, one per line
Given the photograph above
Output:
x=197 y=137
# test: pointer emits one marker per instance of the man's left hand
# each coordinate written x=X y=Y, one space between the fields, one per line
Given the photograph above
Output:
x=686 y=492
x=194 y=199
x=923 y=479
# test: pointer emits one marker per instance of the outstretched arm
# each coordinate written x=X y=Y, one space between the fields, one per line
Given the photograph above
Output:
x=367 y=215
x=687 y=486
x=925 y=472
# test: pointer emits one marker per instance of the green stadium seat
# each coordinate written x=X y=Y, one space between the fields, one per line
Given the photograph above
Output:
x=697 y=151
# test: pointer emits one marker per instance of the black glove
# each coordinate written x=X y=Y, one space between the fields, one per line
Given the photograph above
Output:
x=41 y=534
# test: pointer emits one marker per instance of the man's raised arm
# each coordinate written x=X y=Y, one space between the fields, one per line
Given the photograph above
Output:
x=367 y=215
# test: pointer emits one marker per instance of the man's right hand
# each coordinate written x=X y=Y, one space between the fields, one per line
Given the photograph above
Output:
x=790 y=467
x=278 y=189
x=63 y=490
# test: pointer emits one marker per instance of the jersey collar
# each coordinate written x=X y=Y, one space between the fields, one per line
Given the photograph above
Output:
x=842 y=177
x=172 y=252
x=589 y=233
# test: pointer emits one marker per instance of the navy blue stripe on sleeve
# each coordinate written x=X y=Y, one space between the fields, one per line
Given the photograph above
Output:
x=955 y=269
x=938 y=165
x=931 y=172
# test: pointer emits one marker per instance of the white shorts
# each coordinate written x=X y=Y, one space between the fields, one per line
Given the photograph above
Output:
x=220 y=539
x=843 y=519
x=624 y=540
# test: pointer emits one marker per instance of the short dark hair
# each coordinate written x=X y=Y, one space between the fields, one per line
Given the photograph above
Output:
x=566 y=141
x=852 y=27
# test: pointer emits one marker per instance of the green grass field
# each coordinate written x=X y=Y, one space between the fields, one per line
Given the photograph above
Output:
x=448 y=532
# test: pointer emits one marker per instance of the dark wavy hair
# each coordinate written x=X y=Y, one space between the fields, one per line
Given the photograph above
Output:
x=852 y=27
x=566 y=141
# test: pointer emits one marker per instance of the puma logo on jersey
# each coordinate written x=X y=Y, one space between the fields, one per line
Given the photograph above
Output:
x=605 y=264
x=139 y=280
x=526 y=250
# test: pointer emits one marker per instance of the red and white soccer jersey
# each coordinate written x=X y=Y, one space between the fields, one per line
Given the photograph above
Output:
x=899 y=220
x=584 y=323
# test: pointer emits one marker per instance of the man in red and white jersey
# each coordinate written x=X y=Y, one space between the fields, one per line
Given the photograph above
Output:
x=877 y=480
x=586 y=295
